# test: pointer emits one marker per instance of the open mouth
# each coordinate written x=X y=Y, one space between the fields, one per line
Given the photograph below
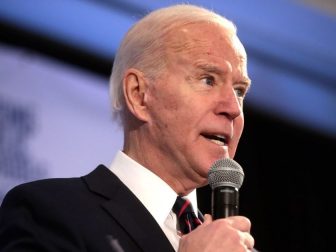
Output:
x=217 y=139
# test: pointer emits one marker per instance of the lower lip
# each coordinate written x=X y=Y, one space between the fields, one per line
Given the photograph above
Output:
x=219 y=144
x=225 y=149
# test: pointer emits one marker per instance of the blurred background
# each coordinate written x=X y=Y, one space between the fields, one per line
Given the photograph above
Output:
x=55 y=116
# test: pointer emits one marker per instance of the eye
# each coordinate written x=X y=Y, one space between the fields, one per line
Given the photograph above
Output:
x=240 y=92
x=208 y=80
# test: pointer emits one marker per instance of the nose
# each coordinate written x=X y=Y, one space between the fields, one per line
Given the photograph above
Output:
x=229 y=104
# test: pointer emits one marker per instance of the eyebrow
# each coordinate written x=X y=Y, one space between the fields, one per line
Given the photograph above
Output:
x=211 y=68
x=214 y=69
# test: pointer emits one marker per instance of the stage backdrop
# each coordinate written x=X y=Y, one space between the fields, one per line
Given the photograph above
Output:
x=55 y=120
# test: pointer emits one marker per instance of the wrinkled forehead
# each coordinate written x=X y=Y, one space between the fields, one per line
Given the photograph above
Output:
x=209 y=39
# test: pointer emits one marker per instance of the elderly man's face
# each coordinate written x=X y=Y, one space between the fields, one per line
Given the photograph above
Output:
x=196 y=105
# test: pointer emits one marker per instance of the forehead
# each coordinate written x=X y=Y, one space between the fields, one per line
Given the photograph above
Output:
x=205 y=40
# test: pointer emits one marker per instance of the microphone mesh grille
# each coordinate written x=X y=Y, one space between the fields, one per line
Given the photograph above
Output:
x=225 y=172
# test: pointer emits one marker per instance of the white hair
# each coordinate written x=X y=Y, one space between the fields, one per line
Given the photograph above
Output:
x=143 y=46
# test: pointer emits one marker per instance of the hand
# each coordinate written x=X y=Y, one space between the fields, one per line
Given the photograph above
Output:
x=231 y=234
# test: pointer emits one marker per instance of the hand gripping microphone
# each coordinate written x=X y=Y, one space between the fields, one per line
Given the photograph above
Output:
x=225 y=178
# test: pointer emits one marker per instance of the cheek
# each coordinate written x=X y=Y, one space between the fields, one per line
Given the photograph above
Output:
x=166 y=108
x=170 y=102
x=177 y=112
x=238 y=127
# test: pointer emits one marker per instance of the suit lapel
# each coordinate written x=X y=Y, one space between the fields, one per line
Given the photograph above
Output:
x=127 y=210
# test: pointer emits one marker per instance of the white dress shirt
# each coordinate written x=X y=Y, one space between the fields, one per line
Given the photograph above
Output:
x=155 y=194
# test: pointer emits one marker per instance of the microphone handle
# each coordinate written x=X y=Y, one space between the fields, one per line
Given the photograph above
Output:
x=224 y=202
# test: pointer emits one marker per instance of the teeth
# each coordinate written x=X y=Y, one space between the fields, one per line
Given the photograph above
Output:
x=217 y=139
x=217 y=142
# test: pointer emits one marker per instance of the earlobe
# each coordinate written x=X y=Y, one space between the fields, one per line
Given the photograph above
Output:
x=134 y=87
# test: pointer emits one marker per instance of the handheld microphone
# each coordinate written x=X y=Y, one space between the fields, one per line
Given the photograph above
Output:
x=225 y=178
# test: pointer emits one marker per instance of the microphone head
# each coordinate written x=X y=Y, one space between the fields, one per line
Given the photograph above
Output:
x=225 y=172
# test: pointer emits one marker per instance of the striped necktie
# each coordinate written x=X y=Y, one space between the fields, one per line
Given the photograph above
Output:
x=185 y=214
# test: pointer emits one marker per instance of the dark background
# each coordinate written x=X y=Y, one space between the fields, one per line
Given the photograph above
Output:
x=288 y=188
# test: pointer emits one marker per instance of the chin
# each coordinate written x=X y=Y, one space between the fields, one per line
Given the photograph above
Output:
x=232 y=153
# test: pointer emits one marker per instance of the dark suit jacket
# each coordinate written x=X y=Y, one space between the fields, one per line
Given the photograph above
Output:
x=95 y=213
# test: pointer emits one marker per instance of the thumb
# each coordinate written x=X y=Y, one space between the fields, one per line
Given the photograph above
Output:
x=207 y=219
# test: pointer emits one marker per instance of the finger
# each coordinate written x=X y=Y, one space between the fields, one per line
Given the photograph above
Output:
x=207 y=219
x=248 y=240
x=239 y=222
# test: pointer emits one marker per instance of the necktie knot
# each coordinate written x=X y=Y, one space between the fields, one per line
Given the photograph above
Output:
x=186 y=216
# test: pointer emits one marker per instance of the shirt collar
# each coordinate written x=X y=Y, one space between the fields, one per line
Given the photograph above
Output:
x=154 y=193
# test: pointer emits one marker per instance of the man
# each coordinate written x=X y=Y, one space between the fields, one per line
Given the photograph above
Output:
x=178 y=84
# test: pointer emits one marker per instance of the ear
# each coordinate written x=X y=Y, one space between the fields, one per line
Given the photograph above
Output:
x=135 y=87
